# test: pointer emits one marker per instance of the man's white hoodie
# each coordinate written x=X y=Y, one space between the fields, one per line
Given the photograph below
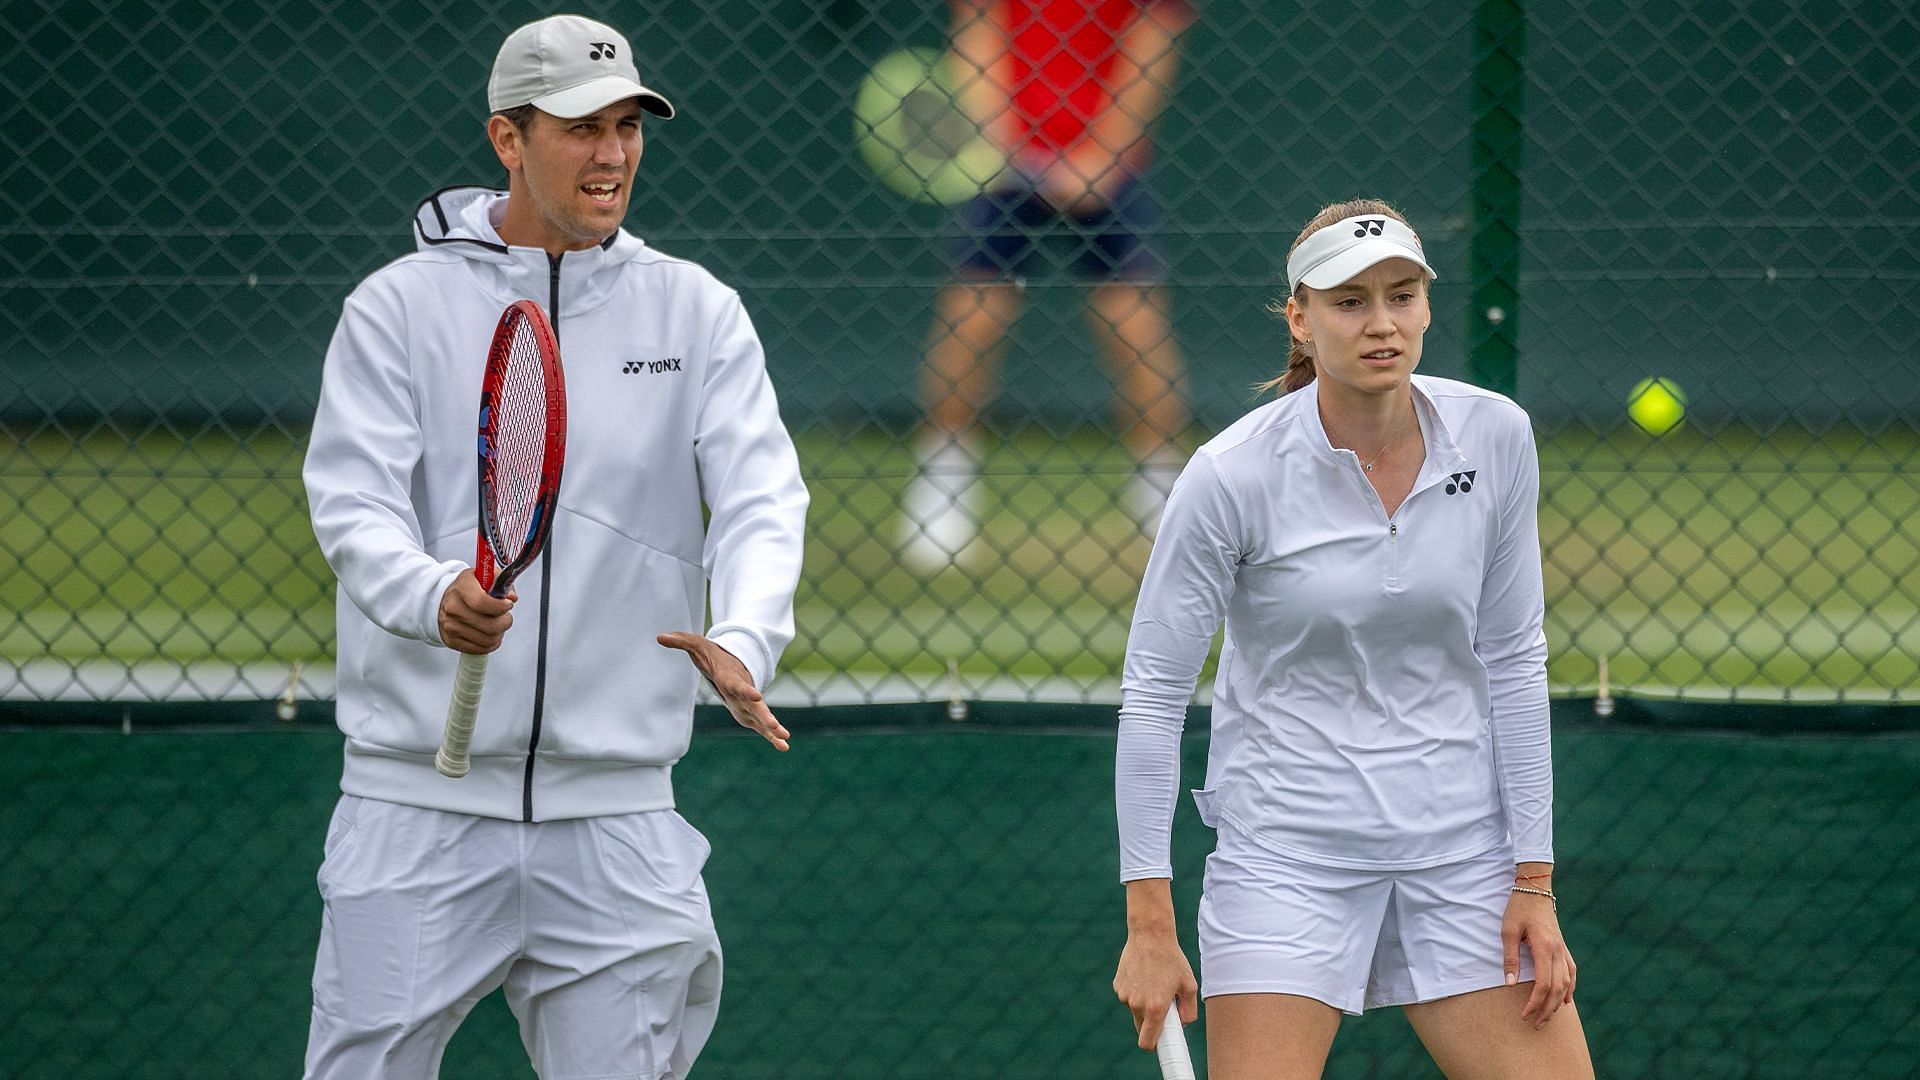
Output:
x=669 y=410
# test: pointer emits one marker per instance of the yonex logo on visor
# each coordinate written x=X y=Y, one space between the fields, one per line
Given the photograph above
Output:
x=1343 y=249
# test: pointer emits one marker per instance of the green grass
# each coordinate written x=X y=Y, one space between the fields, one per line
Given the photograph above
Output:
x=1777 y=567
x=1732 y=565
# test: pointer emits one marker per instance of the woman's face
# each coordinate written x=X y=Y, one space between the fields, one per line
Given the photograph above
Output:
x=1365 y=333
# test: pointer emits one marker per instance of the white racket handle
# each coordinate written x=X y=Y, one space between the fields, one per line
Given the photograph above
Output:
x=1175 y=1062
x=452 y=759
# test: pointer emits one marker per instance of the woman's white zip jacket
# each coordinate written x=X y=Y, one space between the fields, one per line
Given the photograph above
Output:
x=1381 y=701
x=669 y=410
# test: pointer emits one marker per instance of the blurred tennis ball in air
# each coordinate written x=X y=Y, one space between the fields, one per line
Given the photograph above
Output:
x=913 y=134
x=1657 y=405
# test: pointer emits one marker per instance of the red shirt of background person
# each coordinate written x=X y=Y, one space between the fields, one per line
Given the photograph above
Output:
x=1054 y=61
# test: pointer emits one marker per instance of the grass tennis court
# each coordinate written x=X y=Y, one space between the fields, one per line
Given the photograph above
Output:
x=942 y=905
x=1775 y=567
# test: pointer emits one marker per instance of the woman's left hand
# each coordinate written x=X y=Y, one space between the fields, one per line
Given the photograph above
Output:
x=1531 y=919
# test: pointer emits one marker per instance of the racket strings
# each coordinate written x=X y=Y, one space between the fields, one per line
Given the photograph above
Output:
x=520 y=444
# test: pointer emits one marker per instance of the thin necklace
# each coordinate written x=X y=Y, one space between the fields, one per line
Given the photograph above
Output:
x=1368 y=465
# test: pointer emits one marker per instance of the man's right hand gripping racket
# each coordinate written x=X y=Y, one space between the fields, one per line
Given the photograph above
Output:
x=523 y=443
x=1175 y=1062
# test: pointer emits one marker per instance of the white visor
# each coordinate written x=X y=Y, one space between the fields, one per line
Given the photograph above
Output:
x=1337 y=253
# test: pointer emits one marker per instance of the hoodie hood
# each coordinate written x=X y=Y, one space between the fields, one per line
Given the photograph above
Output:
x=462 y=221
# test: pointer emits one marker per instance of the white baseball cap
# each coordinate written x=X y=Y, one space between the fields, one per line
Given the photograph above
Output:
x=568 y=66
x=1334 y=254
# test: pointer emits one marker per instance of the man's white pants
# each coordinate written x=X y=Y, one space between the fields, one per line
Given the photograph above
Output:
x=598 y=928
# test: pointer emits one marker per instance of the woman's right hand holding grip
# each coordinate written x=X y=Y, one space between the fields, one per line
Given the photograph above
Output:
x=1153 y=972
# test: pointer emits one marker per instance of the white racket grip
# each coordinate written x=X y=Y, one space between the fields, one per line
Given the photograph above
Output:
x=452 y=759
x=1175 y=1062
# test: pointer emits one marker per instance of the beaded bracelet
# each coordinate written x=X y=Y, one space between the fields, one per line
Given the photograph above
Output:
x=1538 y=892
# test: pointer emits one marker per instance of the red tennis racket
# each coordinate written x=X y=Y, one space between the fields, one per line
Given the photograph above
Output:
x=523 y=443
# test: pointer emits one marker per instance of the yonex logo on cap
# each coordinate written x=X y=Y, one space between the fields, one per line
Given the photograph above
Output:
x=602 y=50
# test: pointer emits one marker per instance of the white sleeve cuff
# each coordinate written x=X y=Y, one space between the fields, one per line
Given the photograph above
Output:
x=430 y=626
x=747 y=648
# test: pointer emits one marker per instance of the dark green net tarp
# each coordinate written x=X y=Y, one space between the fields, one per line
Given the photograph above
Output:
x=930 y=902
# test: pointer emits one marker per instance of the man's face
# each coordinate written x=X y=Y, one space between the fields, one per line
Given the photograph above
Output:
x=577 y=174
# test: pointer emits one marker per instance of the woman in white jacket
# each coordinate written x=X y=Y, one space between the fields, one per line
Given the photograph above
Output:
x=1379 y=771
x=558 y=867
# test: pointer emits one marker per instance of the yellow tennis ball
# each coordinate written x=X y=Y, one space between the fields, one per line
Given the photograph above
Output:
x=914 y=135
x=1657 y=405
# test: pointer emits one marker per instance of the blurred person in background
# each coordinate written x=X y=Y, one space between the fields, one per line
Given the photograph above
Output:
x=1066 y=89
x=1379 y=772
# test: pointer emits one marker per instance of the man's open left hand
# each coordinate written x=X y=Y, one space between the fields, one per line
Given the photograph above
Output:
x=728 y=677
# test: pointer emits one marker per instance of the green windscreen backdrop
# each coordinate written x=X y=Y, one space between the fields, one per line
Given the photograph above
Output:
x=928 y=904
x=1722 y=195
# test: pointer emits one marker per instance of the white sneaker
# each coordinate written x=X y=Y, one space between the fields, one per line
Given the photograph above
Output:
x=1146 y=497
x=940 y=512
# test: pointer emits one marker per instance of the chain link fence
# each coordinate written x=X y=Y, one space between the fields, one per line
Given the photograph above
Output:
x=1713 y=207
x=1724 y=202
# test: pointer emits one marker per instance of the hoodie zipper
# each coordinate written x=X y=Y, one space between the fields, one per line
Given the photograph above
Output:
x=546 y=582
x=1392 y=582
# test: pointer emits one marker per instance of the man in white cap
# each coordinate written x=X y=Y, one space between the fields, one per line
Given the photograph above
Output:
x=558 y=867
